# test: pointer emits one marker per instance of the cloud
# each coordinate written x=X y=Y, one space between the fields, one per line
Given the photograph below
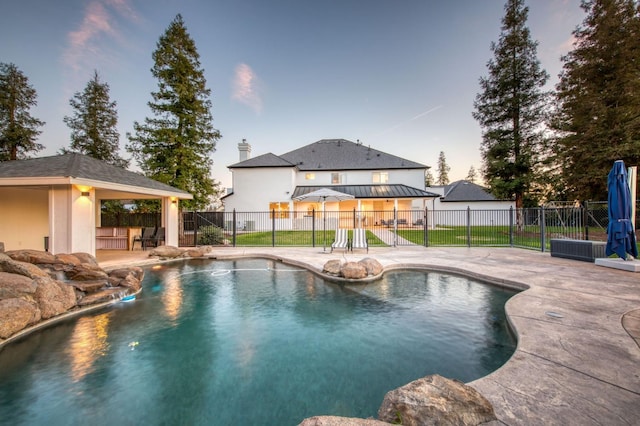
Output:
x=246 y=88
x=92 y=39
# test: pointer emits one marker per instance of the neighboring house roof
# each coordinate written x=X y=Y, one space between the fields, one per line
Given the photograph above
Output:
x=332 y=154
x=371 y=191
x=76 y=168
x=264 y=160
x=463 y=190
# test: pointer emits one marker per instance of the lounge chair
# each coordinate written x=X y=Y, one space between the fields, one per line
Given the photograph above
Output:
x=341 y=240
x=146 y=234
x=359 y=240
x=418 y=222
x=154 y=239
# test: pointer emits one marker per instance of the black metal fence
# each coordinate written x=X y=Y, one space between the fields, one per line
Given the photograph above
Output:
x=531 y=228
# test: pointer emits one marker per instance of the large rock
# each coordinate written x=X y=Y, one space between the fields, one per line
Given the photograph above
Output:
x=353 y=271
x=8 y=264
x=14 y=285
x=33 y=256
x=199 y=251
x=372 y=266
x=69 y=259
x=169 y=252
x=15 y=315
x=85 y=258
x=87 y=272
x=53 y=297
x=340 y=421
x=435 y=400
x=332 y=267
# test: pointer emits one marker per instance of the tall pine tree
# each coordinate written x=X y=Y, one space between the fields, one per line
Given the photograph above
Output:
x=93 y=124
x=18 y=129
x=511 y=109
x=443 y=170
x=598 y=94
x=175 y=145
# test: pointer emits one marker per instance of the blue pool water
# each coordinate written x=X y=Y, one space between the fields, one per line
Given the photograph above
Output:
x=252 y=342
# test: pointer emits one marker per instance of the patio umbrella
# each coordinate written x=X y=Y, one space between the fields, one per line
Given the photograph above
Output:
x=621 y=237
x=323 y=195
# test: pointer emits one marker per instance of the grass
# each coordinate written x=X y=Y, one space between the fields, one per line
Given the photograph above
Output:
x=296 y=238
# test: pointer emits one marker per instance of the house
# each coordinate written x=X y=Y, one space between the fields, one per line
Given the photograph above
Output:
x=53 y=203
x=378 y=181
x=450 y=208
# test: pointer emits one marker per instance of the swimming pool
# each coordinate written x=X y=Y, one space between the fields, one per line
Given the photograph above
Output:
x=253 y=341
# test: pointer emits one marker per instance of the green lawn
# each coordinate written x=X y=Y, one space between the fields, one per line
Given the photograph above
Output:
x=295 y=238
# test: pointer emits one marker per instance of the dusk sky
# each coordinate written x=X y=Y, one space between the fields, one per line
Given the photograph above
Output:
x=399 y=75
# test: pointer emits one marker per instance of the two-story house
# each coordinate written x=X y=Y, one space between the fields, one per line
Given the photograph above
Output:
x=377 y=180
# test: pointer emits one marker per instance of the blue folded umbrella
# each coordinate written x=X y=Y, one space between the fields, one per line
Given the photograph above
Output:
x=621 y=237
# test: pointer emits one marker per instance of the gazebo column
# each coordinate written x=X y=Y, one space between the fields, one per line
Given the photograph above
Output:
x=170 y=212
x=72 y=220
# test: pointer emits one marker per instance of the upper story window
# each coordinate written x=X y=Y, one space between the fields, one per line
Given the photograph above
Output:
x=380 y=177
x=337 y=178
x=310 y=176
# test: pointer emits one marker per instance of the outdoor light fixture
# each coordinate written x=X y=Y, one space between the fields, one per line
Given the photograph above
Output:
x=85 y=193
x=174 y=201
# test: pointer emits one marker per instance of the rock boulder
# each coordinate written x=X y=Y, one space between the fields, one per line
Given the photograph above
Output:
x=353 y=271
x=169 y=252
x=332 y=267
x=435 y=400
x=340 y=421
x=53 y=297
x=372 y=266
x=18 y=286
x=15 y=315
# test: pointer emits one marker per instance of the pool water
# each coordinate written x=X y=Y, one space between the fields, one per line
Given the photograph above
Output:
x=252 y=342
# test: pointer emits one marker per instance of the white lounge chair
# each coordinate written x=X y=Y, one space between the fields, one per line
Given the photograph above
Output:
x=341 y=240
x=360 y=239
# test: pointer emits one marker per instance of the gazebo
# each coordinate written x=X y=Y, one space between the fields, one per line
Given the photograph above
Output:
x=54 y=202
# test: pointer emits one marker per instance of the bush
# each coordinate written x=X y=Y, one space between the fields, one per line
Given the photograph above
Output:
x=210 y=235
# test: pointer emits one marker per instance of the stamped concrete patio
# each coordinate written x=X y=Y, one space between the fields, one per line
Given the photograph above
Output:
x=578 y=326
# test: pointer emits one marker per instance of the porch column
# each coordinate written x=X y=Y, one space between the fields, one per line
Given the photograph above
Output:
x=72 y=220
x=169 y=221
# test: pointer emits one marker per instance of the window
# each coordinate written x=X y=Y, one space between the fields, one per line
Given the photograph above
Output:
x=279 y=210
x=337 y=178
x=310 y=176
x=380 y=177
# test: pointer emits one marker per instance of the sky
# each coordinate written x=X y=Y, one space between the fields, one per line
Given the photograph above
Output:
x=400 y=76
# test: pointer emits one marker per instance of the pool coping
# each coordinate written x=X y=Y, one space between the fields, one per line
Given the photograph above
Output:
x=575 y=363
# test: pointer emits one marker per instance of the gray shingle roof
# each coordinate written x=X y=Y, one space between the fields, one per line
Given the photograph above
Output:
x=332 y=154
x=264 y=160
x=79 y=166
x=463 y=190
x=370 y=191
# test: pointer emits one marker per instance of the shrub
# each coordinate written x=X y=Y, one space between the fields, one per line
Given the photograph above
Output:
x=210 y=235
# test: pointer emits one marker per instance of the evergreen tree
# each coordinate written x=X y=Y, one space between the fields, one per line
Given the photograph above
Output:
x=18 y=129
x=93 y=124
x=428 y=178
x=599 y=106
x=174 y=146
x=472 y=175
x=511 y=109
x=443 y=170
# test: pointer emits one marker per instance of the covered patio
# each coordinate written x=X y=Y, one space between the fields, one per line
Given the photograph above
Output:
x=53 y=203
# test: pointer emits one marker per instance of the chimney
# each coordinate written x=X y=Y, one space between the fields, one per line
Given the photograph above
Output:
x=245 y=150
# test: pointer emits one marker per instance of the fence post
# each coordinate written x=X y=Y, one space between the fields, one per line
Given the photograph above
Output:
x=426 y=227
x=510 y=226
x=543 y=230
x=354 y=219
x=395 y=227
x=233 y=228
x=313 y=228
x=195 y=228
x=585 y=209
x=468 y=226
x=273 y=227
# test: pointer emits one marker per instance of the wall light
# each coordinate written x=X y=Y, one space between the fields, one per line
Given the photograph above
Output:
x=174 y=201
x=85 y=193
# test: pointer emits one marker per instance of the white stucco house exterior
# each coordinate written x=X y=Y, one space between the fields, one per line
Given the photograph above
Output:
x=58 y=198
x=458 y=199
x=378 y=181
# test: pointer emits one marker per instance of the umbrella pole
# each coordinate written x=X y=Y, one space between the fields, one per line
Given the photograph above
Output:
x=324 y=227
